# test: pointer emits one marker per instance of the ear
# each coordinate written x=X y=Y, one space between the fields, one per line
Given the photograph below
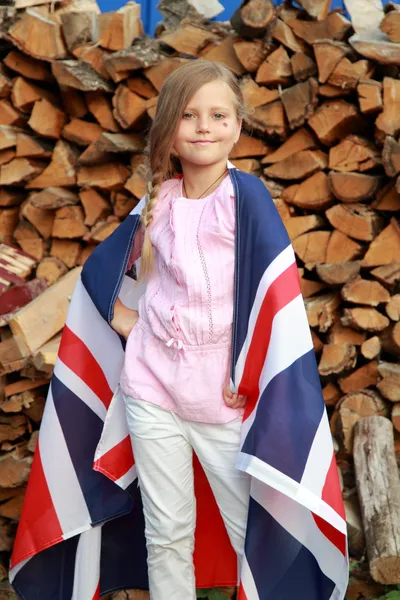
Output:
x=239 y=129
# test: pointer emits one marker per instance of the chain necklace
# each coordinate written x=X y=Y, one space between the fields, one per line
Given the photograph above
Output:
x=210 y=186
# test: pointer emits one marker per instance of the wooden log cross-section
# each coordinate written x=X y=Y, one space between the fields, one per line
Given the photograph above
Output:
x=378 y=485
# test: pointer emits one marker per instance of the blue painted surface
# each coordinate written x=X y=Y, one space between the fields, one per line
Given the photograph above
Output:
x=151 y=16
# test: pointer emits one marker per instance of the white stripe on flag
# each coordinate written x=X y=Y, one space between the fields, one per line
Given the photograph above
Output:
x=276 y=268
x=15 y=570
x=299 y=522
x=128 y=478
x=87 y=565
x=319 y=459
x=66 y=493
x=115 y=426
x=79 y=388
x=247 y=580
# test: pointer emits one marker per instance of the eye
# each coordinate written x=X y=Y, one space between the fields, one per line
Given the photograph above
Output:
x=187 y=115
x=219 y=116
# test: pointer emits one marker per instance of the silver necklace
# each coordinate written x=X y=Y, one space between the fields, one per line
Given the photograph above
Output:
x=210 y=186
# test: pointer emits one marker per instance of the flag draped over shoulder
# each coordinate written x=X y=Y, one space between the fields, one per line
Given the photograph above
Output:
x=81 y=531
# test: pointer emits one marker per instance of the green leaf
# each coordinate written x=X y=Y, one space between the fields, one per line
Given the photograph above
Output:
x=393 y=595
x=212 y=594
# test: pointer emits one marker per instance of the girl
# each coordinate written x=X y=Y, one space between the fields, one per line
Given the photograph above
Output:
x=175 y=380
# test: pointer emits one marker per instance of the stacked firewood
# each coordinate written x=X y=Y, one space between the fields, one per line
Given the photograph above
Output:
x=78 y=91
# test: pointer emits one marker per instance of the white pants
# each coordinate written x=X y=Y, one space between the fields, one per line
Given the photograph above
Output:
x=163 y=444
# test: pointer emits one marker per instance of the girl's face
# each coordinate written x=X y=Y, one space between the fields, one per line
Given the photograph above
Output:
x=209 y=126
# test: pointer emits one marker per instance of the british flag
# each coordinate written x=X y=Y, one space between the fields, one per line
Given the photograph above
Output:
x=81 y=532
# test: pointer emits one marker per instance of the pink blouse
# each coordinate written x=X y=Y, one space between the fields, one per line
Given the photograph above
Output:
x=178 y=354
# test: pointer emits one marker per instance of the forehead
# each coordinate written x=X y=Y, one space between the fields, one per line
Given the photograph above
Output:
x=214 y=93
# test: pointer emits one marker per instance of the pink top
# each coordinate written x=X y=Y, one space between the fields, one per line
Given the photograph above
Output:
x=178 y=354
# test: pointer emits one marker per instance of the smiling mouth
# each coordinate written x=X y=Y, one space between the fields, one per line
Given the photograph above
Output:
x=202 y=142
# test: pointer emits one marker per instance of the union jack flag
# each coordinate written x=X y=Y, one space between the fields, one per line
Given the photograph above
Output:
x=81 y=532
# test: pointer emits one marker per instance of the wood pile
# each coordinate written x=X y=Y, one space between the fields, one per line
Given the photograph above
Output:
x=78 y=91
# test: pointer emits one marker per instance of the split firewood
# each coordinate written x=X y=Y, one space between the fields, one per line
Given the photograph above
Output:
x=270 y=119
x=384 y=249
x=338 y=334
x=129 y=108
x=143 y=53
x=61 y=171
x=299 y=141
x=40 y=218
x=219 y=52
x=299 y=166
x=80 y=76
x=10 y=197
x=94 y=56
x=309 y=287
x=255 y=95
x=388 y=121
x=73 y=103
x=347 y=75
x=370 y=96
x=395 y=416
x=354 y=153
x=355 y=220
x=391 y=25
x=69 y=223
x=389 y=275
x=355 y=406
x=67 y=251
x=339 y=273
x=360 y=379
x=362 y=291
x=23 y=385
x=300 y=101
x=313 y=193
x=9 y=115
x=316 y=8
x=33 y=147
x=108 y=177
x=276 y=69
x=50 y=269
x=390 y=339
x=391 y=156
x=79 y=28
x=27 y=66
x=20 y=170
x=94 y=205
x=81 y=132
x=17 y=296
x=371 y=348
x=5 y=83
x=38 y=36
x=335 y=119
x=296 y=226
x=317 y=342
x=188 y=39
x=122 y=204
x=8 y=136
x=141 y=87
x=252 y=18
x=100 y=107
x=29 y=240
x=356 y=538
x=393 y=308
x=353 y=187
x=44 y=359
x=378 y=486
x=137 y=183
x=53 y=197
x=282 y=33
x=311 y=247
x=86 y=252
x=250 y=54
x=328 y=54
x=248 y=146
x=46 y=119
x=101 y=230
x=106 y=145
x=119 y=28
x=45 y=316
x=335 y=27
x=322 y=310
x=24 y=94
x=366 y=319
x=331 y=394
x=336 y=359
x=303 y=66
x=7 y=156
x=331 y=92
x=389 y=385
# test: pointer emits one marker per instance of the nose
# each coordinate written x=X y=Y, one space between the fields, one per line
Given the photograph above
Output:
x=203 y=125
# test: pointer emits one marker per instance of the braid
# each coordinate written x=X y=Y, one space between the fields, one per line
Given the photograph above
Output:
x=153 y=189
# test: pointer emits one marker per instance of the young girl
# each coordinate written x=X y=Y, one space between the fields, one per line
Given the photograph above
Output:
x=175 y=380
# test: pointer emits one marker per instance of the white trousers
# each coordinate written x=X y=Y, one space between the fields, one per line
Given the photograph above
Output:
x=163 y=445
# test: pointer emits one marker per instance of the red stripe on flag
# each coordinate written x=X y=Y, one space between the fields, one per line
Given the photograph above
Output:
x=97 y=593
x=336 y=537
x=241 y=593
x=282 y=291
x=77 y=357
x=331 y=492
x=117 y=461
x=39 y=527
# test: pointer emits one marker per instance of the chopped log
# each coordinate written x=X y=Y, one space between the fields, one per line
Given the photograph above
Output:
x=355 y=220
x=316 y=8
x=363 y=378
x=38 y=36
x=30 y=147
x=388 y=121
x=300 y=140
x=276 y=69
x=41 y=319
x=29 y=240
x=50 y=269
x=79 y=28
x=142 y=87
x=388 y=275
x=101 y=230
x=353 y=407
x=384 y=249
x=95 y=57
x=188 y=39
x=143 y=53
x=311 y=247
x=366 y=319
x=14 y=472
x=9 y=115
x=331 y=92
x=339 y=334
x=347 y=75
x=86 y=252
x=270 y=119
x=335 y=27
x=313 y=194
x=249 y=146
x=61 y=171
x=354 y=153
x=255 y=95
x=250 y=54
x=5 y=83
x=322 y=310
x=81 y=132
x=137 y=183
x=109 y=144
x=219 y=52
x=27 y=66
x=40 y=218
x=299 y=166
x=370 y=96
x=389 y=385
x=331 y=394
x=119 y=28
x=390 y=339
x=252 y=18
x=24 y=94
x=79 y=76
x=395 y=416
x=303 y=66
x=296 y=226
x=7 y=156
x=74 y=103
x=309 y=288
x=53 y=197
x=108 y=177
x=391 y=25
x=20 y=170
x=17 y=296
x=300 y=101
x=95 y=206
x=337 y=358
x=46 y=119
x=122 y=204
x=335 y=119
x=100 y=107
x=44 y=359
x=67 y=251
x=338 y=273
x=282 y=33
x=69 y=223
x=8 y=136
x=317 y=343
x=328 y=54
x=362 y=291
x=10 y=197
x=378 y=486
x=371 y=348
x=393 y=308
x=356 y=539
x=391 y=156
x=8 y=222
x=23 y=385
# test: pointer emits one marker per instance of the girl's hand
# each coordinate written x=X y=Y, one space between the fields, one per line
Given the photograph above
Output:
x=233 y=400
x=124 y=319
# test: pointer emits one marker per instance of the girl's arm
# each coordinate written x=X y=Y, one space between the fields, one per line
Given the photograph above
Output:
x=124 y=319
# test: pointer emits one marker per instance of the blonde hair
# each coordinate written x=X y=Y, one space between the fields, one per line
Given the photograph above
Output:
x=174 y=96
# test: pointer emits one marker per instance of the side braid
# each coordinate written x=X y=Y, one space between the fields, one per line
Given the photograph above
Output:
x=153 y=189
